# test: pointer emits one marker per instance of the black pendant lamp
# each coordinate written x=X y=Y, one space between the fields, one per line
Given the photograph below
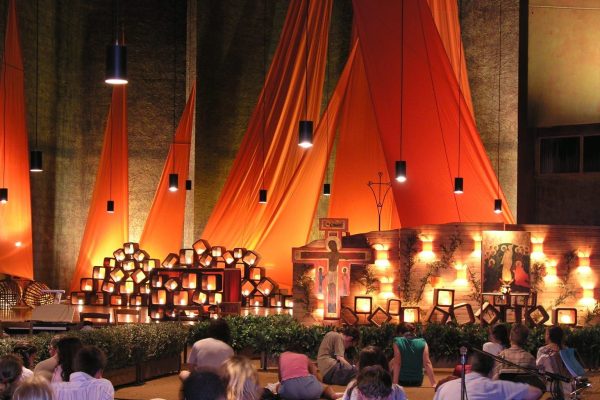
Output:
x=401 y=171
x=173 y=182
x=498 y=206
x=110 y=206
x=262 y=196
x=305 y=135
x=116 y=57
x=326 y=189
x=458 y=185
x=3 y=195
x=188 y=184
x=35 y=161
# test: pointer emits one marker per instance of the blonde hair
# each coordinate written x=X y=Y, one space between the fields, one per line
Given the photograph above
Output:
x=242 y=379
x=34 y=388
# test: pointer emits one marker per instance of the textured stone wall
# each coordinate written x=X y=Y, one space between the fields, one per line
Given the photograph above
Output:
x=481 y=37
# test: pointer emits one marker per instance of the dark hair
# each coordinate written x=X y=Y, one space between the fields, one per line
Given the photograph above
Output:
x=404 y=328
x=67 y=347
x=90 y=359
x=219 y=329
x=11 y=369
x=556 y=334
x=204 y=384
x=481 y=363
x=25 y=350
x=351 y=331
x=374 y=382
x=372 y=355
x=519 y=334
x=500 y=332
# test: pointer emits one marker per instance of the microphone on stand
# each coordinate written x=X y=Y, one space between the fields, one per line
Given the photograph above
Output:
x=463 y=355
x=463 y=361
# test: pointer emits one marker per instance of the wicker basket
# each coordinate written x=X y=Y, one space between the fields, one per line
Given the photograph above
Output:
x=10 y=294
x=33 y=296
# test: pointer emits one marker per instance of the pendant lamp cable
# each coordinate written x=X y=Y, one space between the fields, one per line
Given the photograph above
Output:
x=264 y=102
x=499 y=87
x=327 y=88
x=37 y=73
x=306 y=62
x=401 y=79
x=174 y=74
x=4 y=124
x=460 y=49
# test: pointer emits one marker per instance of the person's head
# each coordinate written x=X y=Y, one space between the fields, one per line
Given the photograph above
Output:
x=481 y=364
x=66 y=348
x=372 y=355
x=204 y=384
x=34 y=388
x=242 y=379
x=52 y=345
x=351 y=336
x=91 y=360
x=499 y=334
x=27 y=351
x=405 y=328
x=374 y=383
x=11 y=368
x=332 y=244
x=219 y=329
x=555 y=334
x=518 y=335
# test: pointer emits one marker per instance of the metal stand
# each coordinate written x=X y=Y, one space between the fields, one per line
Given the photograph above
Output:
x=463 y=363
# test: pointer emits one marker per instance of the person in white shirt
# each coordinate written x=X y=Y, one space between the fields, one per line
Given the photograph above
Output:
x=480 y=387
x=498 y=336
x=86 y=382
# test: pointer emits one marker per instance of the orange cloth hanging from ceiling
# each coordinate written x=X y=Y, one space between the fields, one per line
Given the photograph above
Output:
x=238 y=219
x=16 y=252
x=445 y=16
x=359 y=159
x=430 y=115
x=104 y=232
x=163 y=230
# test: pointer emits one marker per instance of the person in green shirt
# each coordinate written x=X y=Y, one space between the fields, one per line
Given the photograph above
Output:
x=411 y=355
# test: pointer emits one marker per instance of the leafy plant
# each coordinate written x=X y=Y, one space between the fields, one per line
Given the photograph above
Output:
x=305 y=284
x=475 y=294
x=434 y=268
x=536 y=275
x=565 y=284
x=368 y=279
x=408 y=251
x=592 y=314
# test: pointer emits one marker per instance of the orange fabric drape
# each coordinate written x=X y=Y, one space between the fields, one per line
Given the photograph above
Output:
x=429 y=134
x=104 y=232
x=271 y=141
x=16 y=252
x=359 y=159
x=445 y=16
x=163 y=230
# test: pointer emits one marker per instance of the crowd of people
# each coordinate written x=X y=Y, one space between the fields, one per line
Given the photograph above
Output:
x=74 y=371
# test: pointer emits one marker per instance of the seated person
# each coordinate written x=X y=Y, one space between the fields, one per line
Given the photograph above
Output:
x=374 y=383
x=204 y=385
x=45 y=368
x=11 y=368
x=212 y=351
x=480 y=387
x=28 y=353
x=334 y=367
x=498 y=339
x=242 y=379
x=411 y=355
x=368 y=357
x=515 y=353
x=297 y=377
x=35 y=388
x=548 y=357
x=86 y=382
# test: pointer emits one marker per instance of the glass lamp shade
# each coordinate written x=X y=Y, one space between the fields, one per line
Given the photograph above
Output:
x=173 y=182
x=116 y=64
x=305 y=134
x=110 y=206
x=498 y=206
x=401 y=171
x=35 y=161
x=3 y=195
x=458 y=185
x=262 y=196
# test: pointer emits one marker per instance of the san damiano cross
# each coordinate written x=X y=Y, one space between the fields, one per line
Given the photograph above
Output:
x=332 y=266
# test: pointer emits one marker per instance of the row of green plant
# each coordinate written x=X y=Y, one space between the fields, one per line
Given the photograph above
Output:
x=124 y=345
x=128 y=345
